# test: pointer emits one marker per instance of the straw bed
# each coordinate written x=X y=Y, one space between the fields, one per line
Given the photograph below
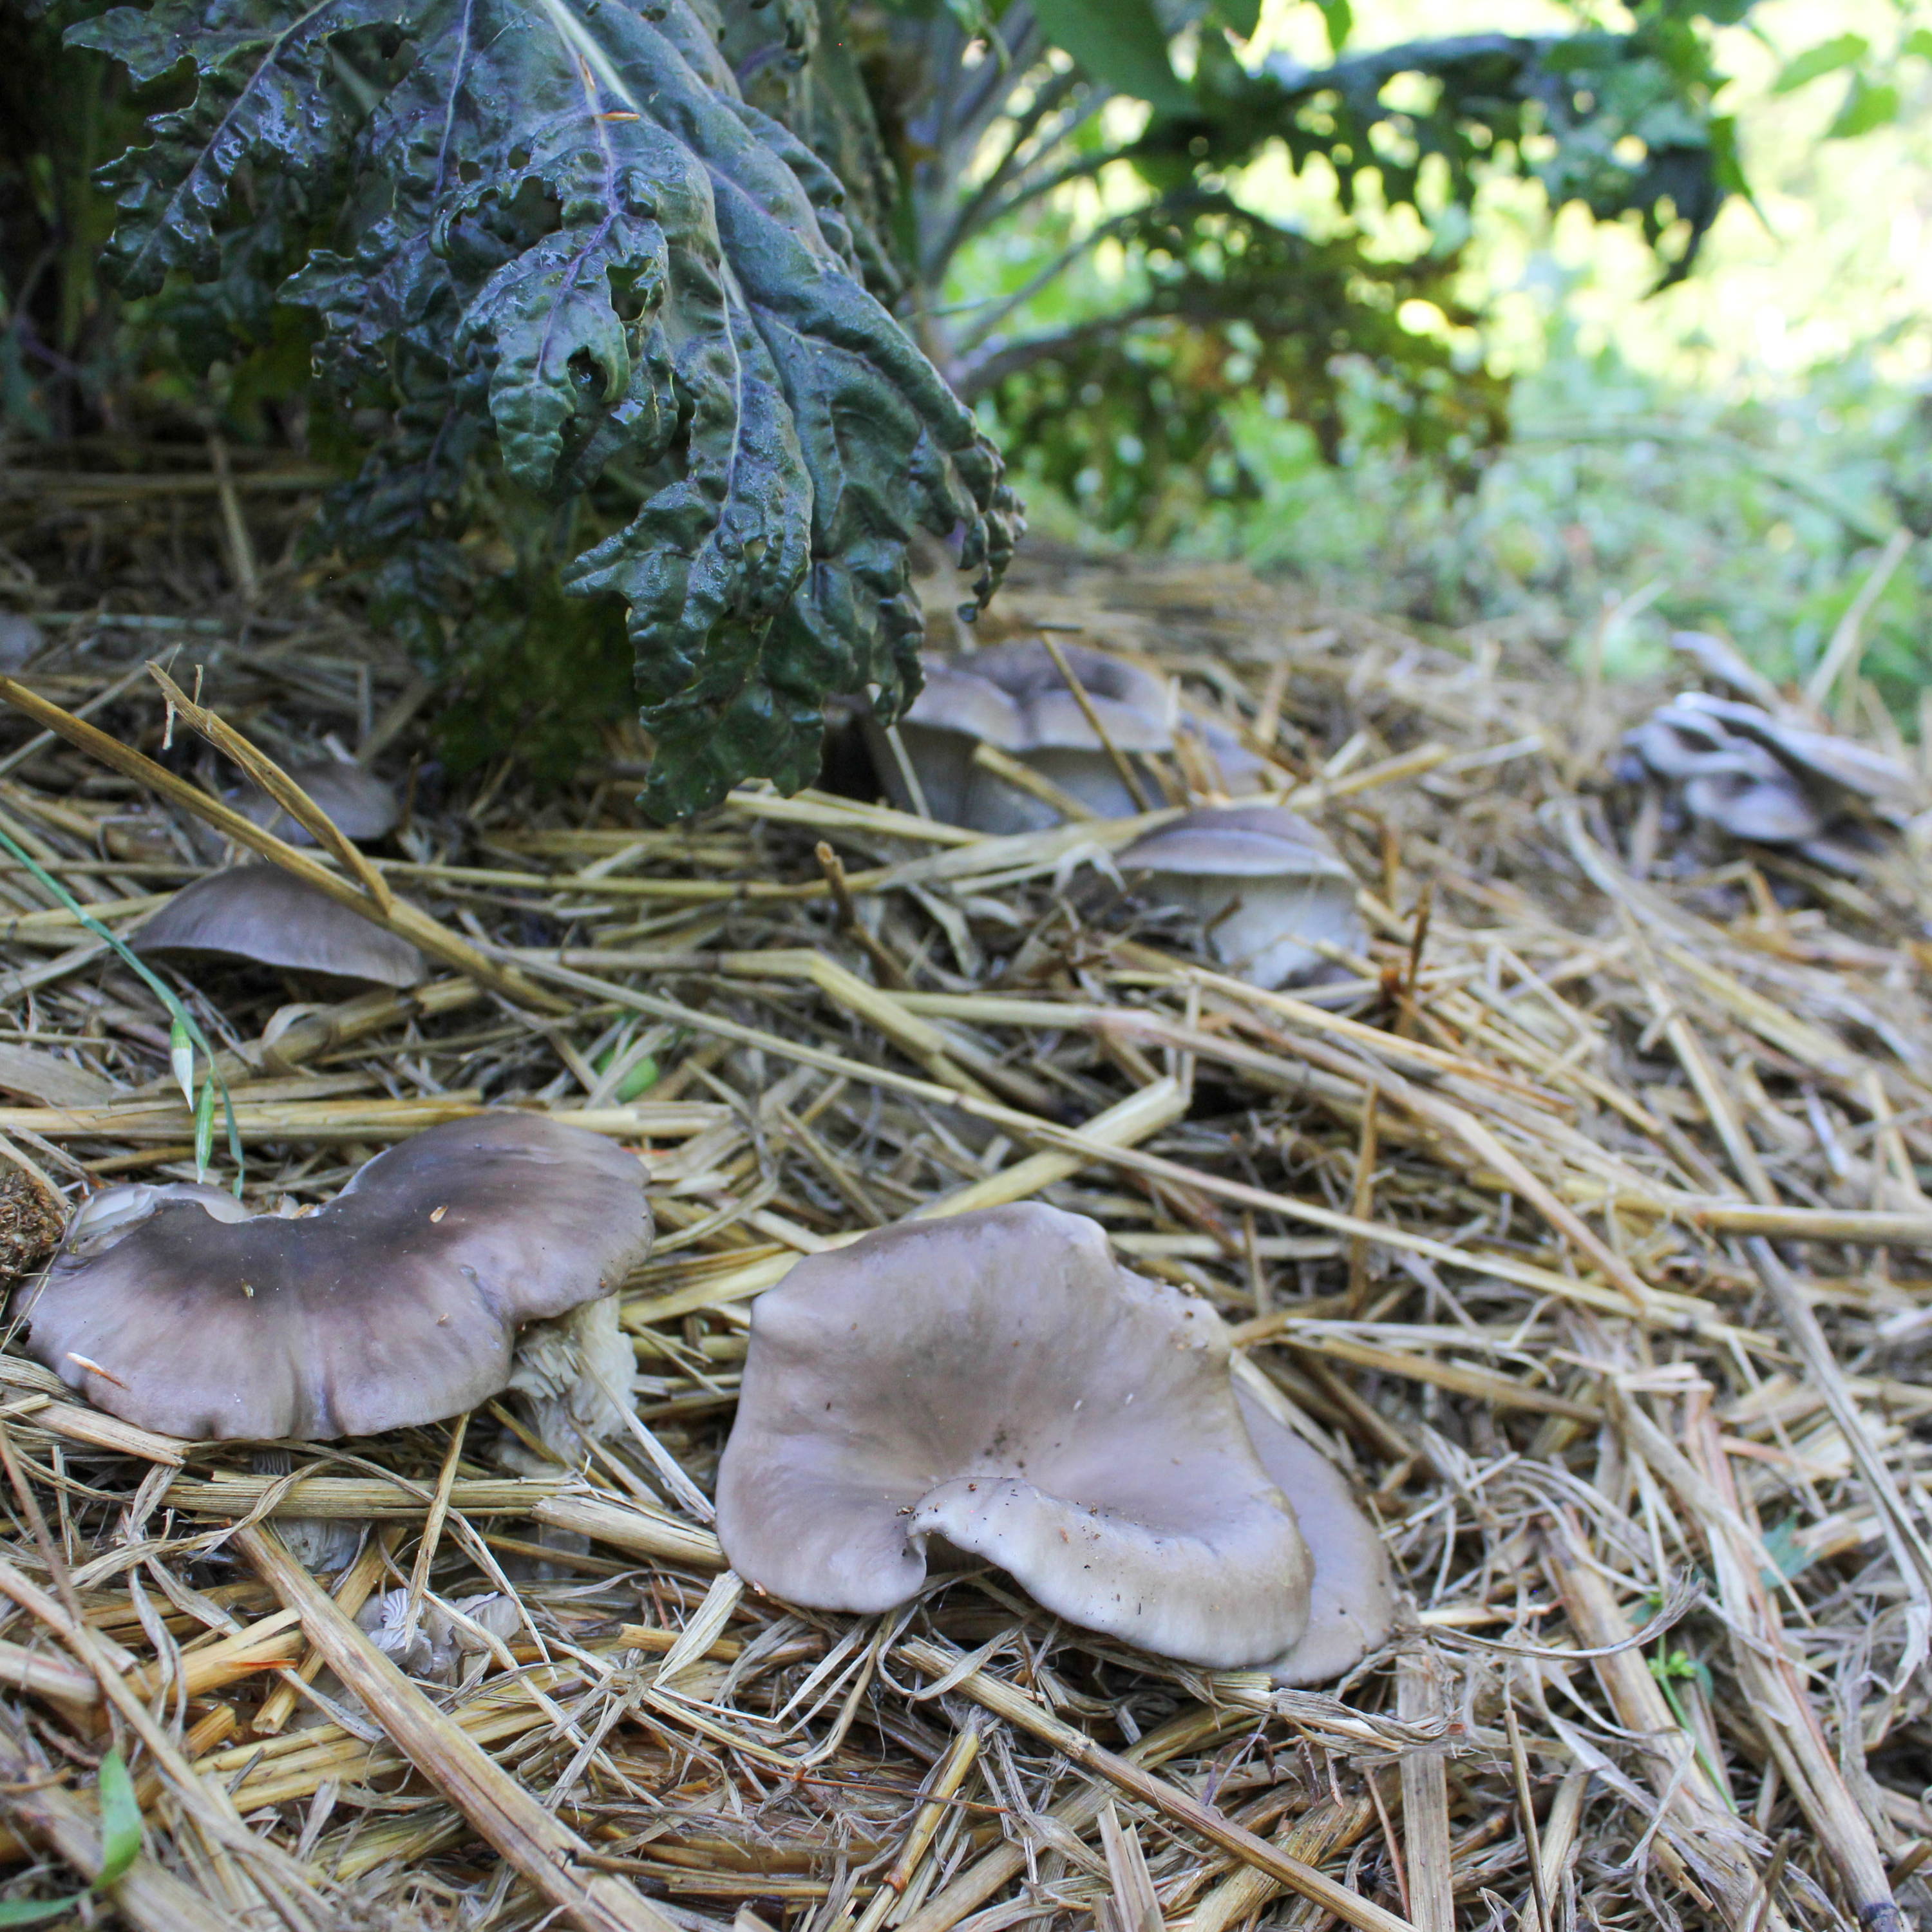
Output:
x=1581 y=1216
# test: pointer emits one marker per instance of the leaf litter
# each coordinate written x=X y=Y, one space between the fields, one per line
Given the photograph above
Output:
x=1578 y=1213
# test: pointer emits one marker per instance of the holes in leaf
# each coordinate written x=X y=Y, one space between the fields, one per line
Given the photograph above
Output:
x=588 y=374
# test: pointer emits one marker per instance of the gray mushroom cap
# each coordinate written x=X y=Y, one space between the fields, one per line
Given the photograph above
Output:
x=1764 y=777
x=1351 y=1596
x=262 y=913
x=997 y=1383
x=1012 y=696
x=361 y=805
x=1267 y=887
x=398 y=1303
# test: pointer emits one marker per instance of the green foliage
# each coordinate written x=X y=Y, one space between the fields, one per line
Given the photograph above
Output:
x=1127 y=414
x=120 y=1831
x=556 y=238
x=1755 y=517
x=1117 y=389
x=631 y=302
x=1872 y=98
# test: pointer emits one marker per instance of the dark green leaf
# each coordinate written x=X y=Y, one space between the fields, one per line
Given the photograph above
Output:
x=1842 y=50
x=1868 y=104
x=120 y=1809
x=1120 y=42
x=557 y=227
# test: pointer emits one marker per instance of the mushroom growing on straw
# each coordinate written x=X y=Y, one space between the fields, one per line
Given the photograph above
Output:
x=996 y=1384
x=1769 y=779
x=1268 y=888
x=262 y=913
x=400 y=1301
x=1014 y=698
x=357 y=803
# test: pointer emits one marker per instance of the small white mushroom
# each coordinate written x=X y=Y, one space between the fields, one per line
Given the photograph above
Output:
x=262 y=913
x=21 y=641
x=1267 y=889
x=433 y=1645
x=996 y=1384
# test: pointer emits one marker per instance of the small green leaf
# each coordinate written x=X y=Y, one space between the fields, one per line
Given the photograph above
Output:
x=1120 y=42
x=1868 y=104
x=1240 y=16
x=35 y=1912
x=204 y=1129
x=1338 y=17
x=120 y=1818
x=180 y=1057
x=642 y=1076
x=1842 y=50
x=1919 y=42
x=974 y=17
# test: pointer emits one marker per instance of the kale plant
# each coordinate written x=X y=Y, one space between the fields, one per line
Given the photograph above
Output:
x=550 y=239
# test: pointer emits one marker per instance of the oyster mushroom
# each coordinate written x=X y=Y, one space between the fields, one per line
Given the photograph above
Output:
x=1267 y=886
x=359 y=804
x=401 y=1301
x=1013 y=697
x=1770 y=779
x=262 y=913
x=996 y=1384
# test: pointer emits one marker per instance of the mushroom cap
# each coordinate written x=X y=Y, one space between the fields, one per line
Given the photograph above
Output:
x=1013 y=697
x=1238 y=842
x=1351 y=1598
x=361 y=805
x=1676 y=741
x=261 y=912
x=1266 y=885
x=1752 y=797
x=1840 y=768
x=998 y=1381
x=1749 y=754
x=398 y=1303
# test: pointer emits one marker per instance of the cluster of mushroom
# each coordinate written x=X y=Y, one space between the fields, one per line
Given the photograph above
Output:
x=1767 y=778
x=994 y=1385
x=1270 y=898
x=997 y=1386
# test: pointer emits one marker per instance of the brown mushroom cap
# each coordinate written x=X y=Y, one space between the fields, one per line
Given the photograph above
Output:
x=1264 y=883
x=361 y=805
x=261 y=912
x=398 y=1303
x=998 y=1382
x=1351 y=1598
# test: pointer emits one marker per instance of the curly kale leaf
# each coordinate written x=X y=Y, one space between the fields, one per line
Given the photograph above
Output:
x=560 y=219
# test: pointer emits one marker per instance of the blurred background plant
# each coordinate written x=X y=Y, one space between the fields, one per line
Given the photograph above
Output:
x=1729 y=450
x=1453 y=307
